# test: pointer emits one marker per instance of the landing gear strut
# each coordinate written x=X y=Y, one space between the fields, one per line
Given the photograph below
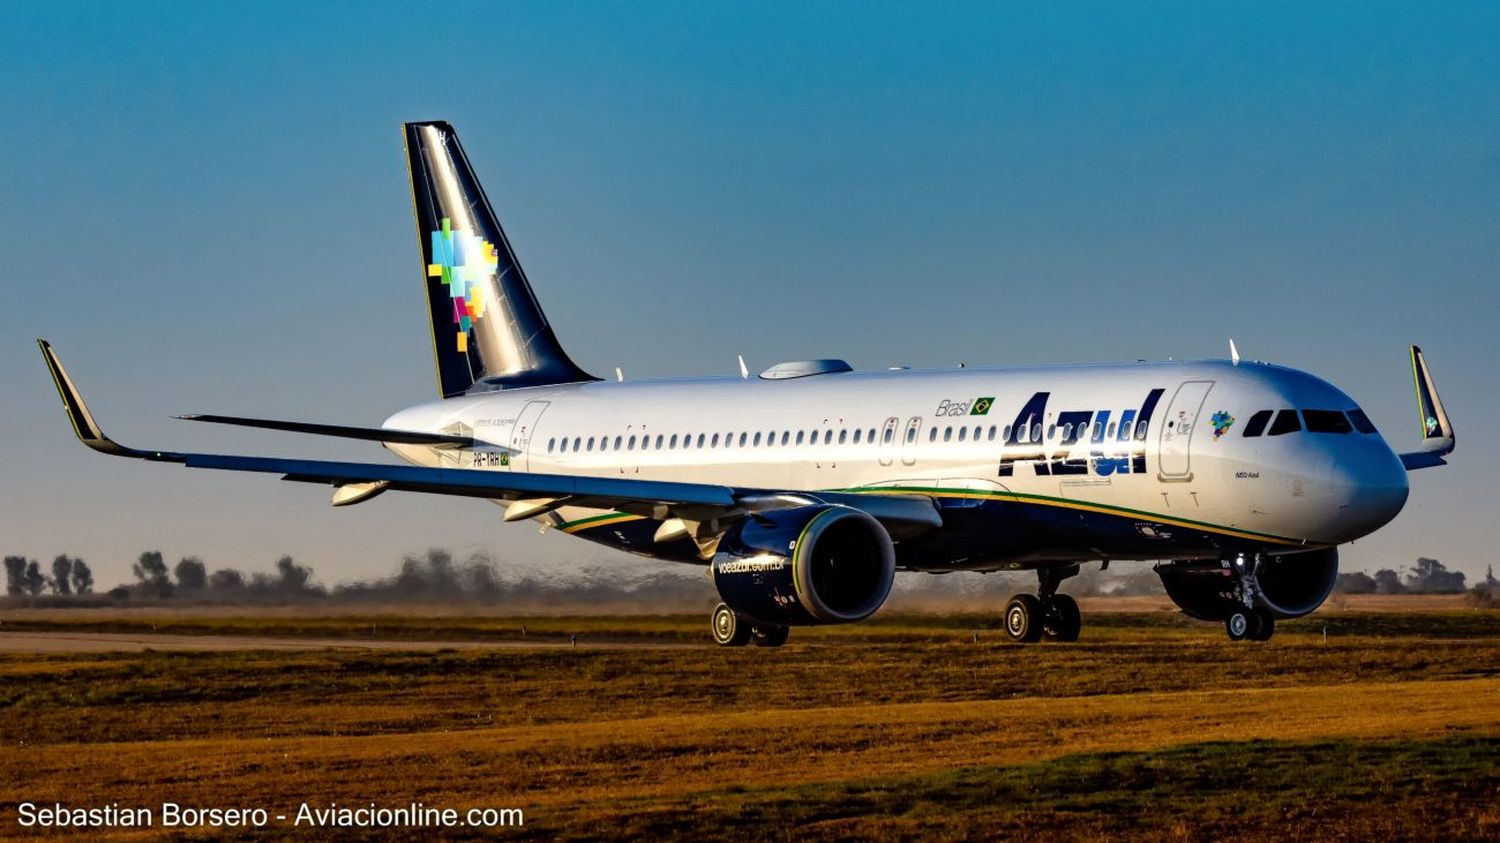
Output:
x=732 y=630
x=1030 y=617
x=1246 y=620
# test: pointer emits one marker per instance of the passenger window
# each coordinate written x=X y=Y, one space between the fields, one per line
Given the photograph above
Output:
x=1257 y=424
x=911 y=434
x=890 y=434
x=1067 y=431
x=659 y=438
x=843 y=436
x=1361 y=421
x=700 y=440
x=618 y=440
x=714 y=443
x=1326 y=421
x=1036 y=432
x=743 y=438
x=932 y=435
x=786 y=436
x=1111 y=431
x=1006 y=432
x=756 y=443
x=827 y=437
x=1051 y=431
x=857 y=432
x=801 y=437
x=871 y=438
x=992 y=433
x=673 y=443
x=948 y=434
x=1286 y=422
x=591 y=443
x=632 y=443
x=963 y=434
x=551 y=443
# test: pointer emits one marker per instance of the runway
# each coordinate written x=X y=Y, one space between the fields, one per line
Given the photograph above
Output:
x=109 y=642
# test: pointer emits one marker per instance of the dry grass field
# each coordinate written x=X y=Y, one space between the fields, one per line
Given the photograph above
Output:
x=1352 y=724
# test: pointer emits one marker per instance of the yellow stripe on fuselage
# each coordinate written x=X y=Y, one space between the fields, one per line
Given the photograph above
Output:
x=1018 y=497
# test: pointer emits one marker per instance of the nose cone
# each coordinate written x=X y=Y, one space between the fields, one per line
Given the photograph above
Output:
x=1372 y=489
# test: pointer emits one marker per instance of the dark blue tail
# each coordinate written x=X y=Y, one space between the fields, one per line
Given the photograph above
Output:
x=488 y=331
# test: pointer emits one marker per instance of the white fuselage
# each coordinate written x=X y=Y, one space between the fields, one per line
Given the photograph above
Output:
x=1059 y=465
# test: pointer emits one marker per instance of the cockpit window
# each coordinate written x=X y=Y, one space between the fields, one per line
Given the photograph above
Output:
x=1286 y=422
x=1361 y=421
x=1257 y=424
x=1326 y=421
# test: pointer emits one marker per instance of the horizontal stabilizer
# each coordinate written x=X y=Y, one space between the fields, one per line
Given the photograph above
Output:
x=371 y=434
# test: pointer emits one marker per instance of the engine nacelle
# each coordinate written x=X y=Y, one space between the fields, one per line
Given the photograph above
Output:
x=810 y=565
x=1291 y=585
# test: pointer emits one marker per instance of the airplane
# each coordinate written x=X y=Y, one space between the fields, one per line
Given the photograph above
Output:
x=803 y=490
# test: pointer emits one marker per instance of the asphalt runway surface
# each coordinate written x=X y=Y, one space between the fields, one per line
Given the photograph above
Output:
x=110 y=642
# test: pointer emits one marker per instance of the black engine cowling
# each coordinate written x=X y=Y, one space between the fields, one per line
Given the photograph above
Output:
x=805 y=566
x=1291 y=585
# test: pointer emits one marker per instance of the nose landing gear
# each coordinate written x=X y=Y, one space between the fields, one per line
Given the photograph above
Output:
x=1248 y=621
x=1028 y=618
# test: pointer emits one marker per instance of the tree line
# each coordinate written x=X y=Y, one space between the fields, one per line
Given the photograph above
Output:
x=1427 y=576
x=437 y=576
x=70 y=575
x=189 y=578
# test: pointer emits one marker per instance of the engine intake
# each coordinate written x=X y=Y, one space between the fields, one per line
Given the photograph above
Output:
x=1291 y=585
x=809 y=565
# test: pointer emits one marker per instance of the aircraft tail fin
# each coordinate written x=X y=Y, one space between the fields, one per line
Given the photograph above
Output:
x=488 y=331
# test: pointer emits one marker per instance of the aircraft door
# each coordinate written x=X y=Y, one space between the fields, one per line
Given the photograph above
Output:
x=1173 y=452
x=909 y=440
x=887 y=447
x=521 y=435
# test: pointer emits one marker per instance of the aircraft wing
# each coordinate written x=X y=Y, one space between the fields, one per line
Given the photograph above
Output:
x=534 y=494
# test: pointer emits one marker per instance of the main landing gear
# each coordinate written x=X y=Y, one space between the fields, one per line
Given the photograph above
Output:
x=732 y=630
x=1029 y=618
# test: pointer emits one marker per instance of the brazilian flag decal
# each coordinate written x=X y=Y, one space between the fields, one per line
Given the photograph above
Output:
x=982 y=406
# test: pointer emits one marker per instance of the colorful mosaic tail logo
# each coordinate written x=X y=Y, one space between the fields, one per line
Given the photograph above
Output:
x=462 y=261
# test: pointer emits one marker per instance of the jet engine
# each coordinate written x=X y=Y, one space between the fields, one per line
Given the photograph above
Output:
x=820 y=564
x=1291 y=585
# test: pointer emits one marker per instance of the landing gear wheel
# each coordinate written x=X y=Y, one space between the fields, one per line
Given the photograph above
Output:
x=766 y=635
x=1239 y=624
x=728 y=629
x=1265 y=626
x=1063 y=620
x=1024 y=619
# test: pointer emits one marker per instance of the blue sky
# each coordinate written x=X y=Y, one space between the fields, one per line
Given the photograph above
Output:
x=204 y=207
